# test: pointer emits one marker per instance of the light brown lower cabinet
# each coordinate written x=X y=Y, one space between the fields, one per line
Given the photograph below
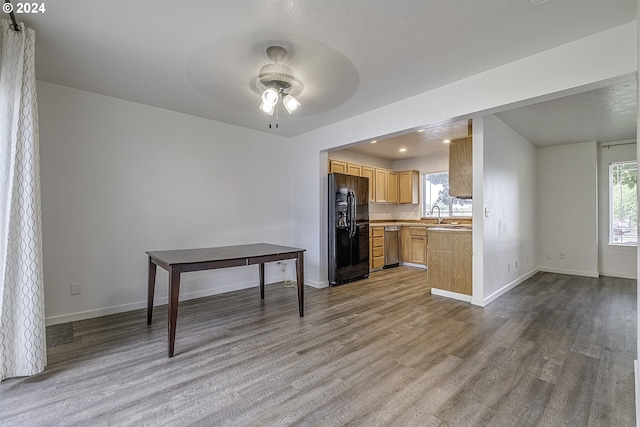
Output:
x=449 y=258
x=376 y=248
x=414 y=245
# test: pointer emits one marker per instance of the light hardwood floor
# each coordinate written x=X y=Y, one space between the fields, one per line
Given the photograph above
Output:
x=556 y=350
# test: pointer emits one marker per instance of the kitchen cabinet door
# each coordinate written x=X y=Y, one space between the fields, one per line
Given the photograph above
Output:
x=414 y=245
x=370 y=173
x=353 y=169
x=381 y=185
x=337 y=166
x=392 y=187
x=409 y=187
x=461 y=168
x=405 y=253
x=418 y=247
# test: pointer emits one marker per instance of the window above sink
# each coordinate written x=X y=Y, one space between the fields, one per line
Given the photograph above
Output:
x=435 y=192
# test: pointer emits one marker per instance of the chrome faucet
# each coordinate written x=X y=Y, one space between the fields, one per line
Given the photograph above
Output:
x=439 y=218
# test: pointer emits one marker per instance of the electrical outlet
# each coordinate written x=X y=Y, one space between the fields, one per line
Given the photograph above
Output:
x=508 y=267
x=75 y=288
x=548 y=255
x=562 y=255
x=516 y=263
x=283 y=265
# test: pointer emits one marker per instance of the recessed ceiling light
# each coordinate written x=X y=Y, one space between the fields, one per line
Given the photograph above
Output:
x=420 y=130
x=538 y=1
x=402 y=150
x=374 y=141
x=446 y=141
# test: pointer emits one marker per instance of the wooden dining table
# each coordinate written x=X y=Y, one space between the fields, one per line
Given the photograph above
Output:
x=186 y=260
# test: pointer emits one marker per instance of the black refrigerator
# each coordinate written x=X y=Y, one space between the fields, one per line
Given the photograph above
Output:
x=348 y=228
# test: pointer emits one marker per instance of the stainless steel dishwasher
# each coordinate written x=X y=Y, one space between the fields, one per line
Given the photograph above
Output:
x=391 y=246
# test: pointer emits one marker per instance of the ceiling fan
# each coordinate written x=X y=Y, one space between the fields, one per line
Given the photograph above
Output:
x=278 y=82
x=234 y=71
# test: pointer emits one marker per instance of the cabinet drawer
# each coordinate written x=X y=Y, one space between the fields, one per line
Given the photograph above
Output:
x=378 y=252
x=417 y=231
x=378 y=242
x=378 y=262
x=378 y=231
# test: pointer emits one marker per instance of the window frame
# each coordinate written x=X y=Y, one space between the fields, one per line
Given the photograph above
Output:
x=611 y=232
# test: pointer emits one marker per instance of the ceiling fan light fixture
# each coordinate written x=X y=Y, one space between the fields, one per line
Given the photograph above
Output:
x=290 y=103
x=270 y=96
x=278 y=80
x=268 y=109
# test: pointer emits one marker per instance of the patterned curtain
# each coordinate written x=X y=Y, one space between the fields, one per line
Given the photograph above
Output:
x=22 y=327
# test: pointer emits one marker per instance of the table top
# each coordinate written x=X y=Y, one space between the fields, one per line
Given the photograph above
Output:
x=222 y=253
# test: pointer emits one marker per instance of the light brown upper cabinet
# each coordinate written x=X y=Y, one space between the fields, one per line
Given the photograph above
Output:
x=382 y=176
x=337 y=166
x=385 y=186
x=371 y=174
x=354 y=169
x=409 y=186
x=461 y=168
x=392 y=187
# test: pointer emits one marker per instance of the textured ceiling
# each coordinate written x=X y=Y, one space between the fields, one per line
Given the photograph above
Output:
x=605 y=114
x=419 y=143
x=199 y=57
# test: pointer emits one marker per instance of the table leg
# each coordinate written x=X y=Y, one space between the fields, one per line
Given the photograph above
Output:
x=300 y=281
x=174 y=291
x=152 y=289
x=261 y=271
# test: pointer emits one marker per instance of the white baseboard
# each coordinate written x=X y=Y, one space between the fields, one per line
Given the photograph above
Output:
x=508 y=287
x=321 y=285
x=410 y=264
x=158 y=300
x=569 y=271
x=616 y=274
x=452 y=295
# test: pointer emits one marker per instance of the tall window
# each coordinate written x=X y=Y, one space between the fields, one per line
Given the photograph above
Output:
x=435 y=188
x=623 y=203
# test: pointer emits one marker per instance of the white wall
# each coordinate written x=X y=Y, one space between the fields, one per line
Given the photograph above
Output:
x=509 y=192
x=617 y=261
x=567 y=209
x=120 y=178
x=583 y=62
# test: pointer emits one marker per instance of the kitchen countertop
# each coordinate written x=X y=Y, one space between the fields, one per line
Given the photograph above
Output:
x=455 y=229
x=446 y=226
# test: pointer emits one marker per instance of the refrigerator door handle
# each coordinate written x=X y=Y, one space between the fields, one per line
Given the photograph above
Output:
x=354 y=212
x=350 y=213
